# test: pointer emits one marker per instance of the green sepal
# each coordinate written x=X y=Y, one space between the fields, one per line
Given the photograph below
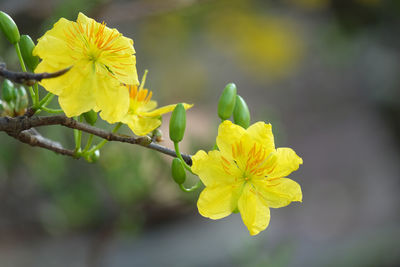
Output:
x=177 y=123
x=90 y=117
x=241 y=113
x=8 y=91
x=9 y=28
x=178 y=172
x=27 y=46
x=226 y=102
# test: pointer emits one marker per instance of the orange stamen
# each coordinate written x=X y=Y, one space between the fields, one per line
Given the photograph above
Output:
x=148 y=97
x=233 y=151
x=225 y=160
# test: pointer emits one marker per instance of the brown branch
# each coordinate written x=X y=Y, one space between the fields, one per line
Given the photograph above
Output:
x=37 y=140
x=27 y=78
x=17 y=126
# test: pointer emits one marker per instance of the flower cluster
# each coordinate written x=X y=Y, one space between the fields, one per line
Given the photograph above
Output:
x=243 y=173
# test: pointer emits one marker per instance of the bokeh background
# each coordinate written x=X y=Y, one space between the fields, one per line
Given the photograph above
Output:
x=325 y=73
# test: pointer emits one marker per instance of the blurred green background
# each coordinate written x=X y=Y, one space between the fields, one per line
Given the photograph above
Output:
x=325 y=73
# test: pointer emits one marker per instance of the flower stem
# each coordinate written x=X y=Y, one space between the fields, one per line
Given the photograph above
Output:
x=78 y=137
x=52 y=110
x=178 y=154
x=191 y=189
x=102 y=143
x=44 y=102
x=46 y=99
x=21 y=61
x=36 y=93
x=88 y=144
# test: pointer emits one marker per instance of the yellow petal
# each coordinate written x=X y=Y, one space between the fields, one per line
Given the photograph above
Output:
x=285 y=161
x=57 y=85
x=117 y=51
x=163 y=110
x=278 y=192
x=141 y=125
x=219 y=201
x=53 y=46
x=83 y=19
x=262 y=134
x=228 y=134
x=210 y=168
x=255 y=214
x=122 y=63
x=77 y=96
x=147 y=106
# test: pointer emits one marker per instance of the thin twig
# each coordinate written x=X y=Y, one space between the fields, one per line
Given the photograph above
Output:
x=15 y=127
x=27 y=78
x=37 y=140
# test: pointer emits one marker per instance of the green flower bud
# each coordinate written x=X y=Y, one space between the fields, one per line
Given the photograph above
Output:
x=95 y=156
x=21 y=101
x=178 y=171
x=9 y=28
x=226 y=102
x=177 y=124
x=5 y=109
x=157 y=135
x=1 y=107
x=8 y=90
x=241 y=113
x=27 y=46
x=90 y=117
x=92 y=157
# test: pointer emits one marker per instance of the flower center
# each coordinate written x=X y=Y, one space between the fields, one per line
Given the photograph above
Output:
x=252 y=162
x=91 y=40
x=138 y=97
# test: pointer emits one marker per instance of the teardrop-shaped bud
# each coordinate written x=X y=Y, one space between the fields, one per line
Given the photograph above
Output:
x=5 y=109
x=241 y=113
x=9 y=28
x=8 y=90
x=27 y=46
x=227 y=101
x=177 y=123
x=21 y=101
x=178 y=171
x=90 y=117
x=95 y=156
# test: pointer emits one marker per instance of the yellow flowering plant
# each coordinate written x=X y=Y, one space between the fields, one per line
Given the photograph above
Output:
x=246 y=174
x=92 y=68
x=101 y=61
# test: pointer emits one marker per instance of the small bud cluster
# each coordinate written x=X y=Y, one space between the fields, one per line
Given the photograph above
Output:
x=14 y=101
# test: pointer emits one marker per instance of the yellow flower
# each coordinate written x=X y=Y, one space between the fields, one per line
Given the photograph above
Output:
x=246 y=174
x=101 y=59
x=142 y=117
